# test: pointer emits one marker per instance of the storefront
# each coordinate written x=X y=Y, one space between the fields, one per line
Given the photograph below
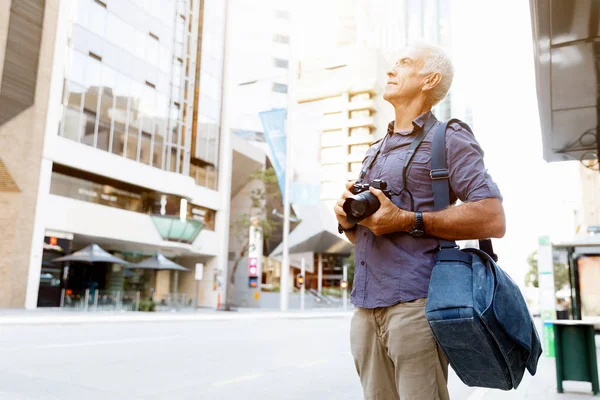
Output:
x=54 y=276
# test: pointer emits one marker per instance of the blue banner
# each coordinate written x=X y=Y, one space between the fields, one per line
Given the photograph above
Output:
x=273 y=123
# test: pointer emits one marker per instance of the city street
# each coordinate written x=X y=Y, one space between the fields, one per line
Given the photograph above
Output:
x=273 y=359
x=235 y=359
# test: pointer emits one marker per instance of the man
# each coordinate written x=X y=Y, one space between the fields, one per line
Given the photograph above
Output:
x=394 y=350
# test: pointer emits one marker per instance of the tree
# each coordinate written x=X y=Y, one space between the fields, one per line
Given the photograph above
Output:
x=561 y=273
x=256 y=214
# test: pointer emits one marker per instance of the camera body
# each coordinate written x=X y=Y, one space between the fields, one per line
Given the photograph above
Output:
x=364 y=203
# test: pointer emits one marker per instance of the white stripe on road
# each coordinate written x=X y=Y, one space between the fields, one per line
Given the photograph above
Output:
x=103 y=342
x=478 y=394
x=239 y=379
x=310 y=364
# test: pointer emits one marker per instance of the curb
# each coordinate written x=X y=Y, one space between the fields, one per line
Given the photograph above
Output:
x=96 y=319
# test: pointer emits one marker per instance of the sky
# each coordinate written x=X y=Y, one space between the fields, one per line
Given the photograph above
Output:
x=492 y=50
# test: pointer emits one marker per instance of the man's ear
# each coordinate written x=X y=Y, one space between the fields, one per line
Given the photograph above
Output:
x=431 y=81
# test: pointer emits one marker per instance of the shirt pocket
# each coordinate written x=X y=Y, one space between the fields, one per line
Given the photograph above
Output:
x=420 y=168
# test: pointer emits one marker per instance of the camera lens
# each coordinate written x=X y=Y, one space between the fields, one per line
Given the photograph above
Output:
x=360 y=206
x=357 y=208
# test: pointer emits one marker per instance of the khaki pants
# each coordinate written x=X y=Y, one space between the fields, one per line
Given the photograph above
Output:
x=396 y=355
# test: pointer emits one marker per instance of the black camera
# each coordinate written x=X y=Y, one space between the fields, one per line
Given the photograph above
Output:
x=364 y=203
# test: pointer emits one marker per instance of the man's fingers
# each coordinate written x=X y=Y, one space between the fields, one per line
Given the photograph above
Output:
x=339 y=210
x=349 y=185
x=347 y=194
x=380 y=196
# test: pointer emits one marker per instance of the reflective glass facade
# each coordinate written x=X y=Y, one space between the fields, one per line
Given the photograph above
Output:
x=209 y=78
x=130 y=79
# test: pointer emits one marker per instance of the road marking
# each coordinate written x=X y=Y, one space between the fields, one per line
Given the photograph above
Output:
x=310 y=364
x=103 y=342
x=478 y=394
x=239 y=379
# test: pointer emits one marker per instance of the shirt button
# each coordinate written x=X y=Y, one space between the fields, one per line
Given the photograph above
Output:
x=362 y=263
x=365 y=233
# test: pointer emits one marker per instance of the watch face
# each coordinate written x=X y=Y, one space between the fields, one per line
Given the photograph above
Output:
x=417 y=232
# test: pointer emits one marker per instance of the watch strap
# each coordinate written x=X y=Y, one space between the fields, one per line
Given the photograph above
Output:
x=344 y=230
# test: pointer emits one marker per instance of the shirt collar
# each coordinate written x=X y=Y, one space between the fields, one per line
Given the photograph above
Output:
x=417 y=122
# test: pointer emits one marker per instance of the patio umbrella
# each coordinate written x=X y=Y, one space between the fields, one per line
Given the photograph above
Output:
x=158 y=262
x=92 y=254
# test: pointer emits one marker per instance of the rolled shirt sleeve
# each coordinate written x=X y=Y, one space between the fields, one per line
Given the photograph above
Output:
x=469 y=179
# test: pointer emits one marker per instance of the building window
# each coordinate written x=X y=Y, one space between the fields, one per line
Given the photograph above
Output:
x=360 y=97
x=360 y=113
x=282 y=14
x=354 y=167
x=331 y=138
x=280 y=88
x=281 y=63
x=359 y=149
x=283 y=39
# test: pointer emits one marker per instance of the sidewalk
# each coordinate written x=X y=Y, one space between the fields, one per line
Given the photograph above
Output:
x=60 y=317
x=542 y=386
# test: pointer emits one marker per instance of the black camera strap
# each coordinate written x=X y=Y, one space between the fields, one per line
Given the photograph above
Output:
x=412 y=148
x=410 y=153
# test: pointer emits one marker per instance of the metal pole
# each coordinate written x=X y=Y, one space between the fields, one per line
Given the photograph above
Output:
x=62 y=298
x=285 y=262
x=137 y=301
x=86 y=299
x=320 y=277
x=96 y=300
x=302 y=272
x=345 y=290
x=196 y=296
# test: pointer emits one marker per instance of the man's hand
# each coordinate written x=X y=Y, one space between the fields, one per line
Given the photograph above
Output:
x=340 y=214
x=389 y=218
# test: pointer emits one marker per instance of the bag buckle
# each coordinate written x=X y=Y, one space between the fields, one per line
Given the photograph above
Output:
x=436 y=174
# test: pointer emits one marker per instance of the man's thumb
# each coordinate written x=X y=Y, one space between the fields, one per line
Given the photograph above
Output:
x=378 y=193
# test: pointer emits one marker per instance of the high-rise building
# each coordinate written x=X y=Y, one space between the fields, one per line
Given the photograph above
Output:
x=130 y=155
x=258 y=64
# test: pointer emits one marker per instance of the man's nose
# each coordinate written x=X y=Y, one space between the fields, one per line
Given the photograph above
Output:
x=391 y=73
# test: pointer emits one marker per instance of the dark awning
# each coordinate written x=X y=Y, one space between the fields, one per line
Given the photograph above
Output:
x=159 y=262
x=92 y=254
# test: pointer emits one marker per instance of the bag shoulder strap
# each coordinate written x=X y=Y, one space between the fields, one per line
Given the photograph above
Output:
x=441 y=184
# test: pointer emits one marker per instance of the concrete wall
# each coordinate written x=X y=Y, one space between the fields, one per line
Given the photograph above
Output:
x=21 y=146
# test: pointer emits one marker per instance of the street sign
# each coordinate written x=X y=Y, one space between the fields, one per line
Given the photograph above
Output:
x=253 y=267
x=199 y=271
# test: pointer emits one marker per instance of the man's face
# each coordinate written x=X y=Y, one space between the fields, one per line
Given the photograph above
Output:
x=404 y=79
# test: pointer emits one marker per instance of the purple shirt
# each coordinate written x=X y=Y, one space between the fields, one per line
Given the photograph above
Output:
x=396 y=267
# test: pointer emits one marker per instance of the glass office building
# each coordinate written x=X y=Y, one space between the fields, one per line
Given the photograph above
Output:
x=132 y=80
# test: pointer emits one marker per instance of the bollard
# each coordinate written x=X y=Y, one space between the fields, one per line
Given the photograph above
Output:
x=118 y=300
x=86 y=299
x=302 y=272
x=137 y=301
x=96 y=300
x=62 y=298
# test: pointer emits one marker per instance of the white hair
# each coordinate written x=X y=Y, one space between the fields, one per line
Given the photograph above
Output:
x=436 y=60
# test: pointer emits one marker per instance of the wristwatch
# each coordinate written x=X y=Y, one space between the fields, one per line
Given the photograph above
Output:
x=418 y=230
x=342 y=230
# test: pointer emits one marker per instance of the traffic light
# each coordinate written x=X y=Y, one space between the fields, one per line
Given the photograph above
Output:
x=253 y=281
x=253 y=267
x=344 y=284
x=300 y=280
